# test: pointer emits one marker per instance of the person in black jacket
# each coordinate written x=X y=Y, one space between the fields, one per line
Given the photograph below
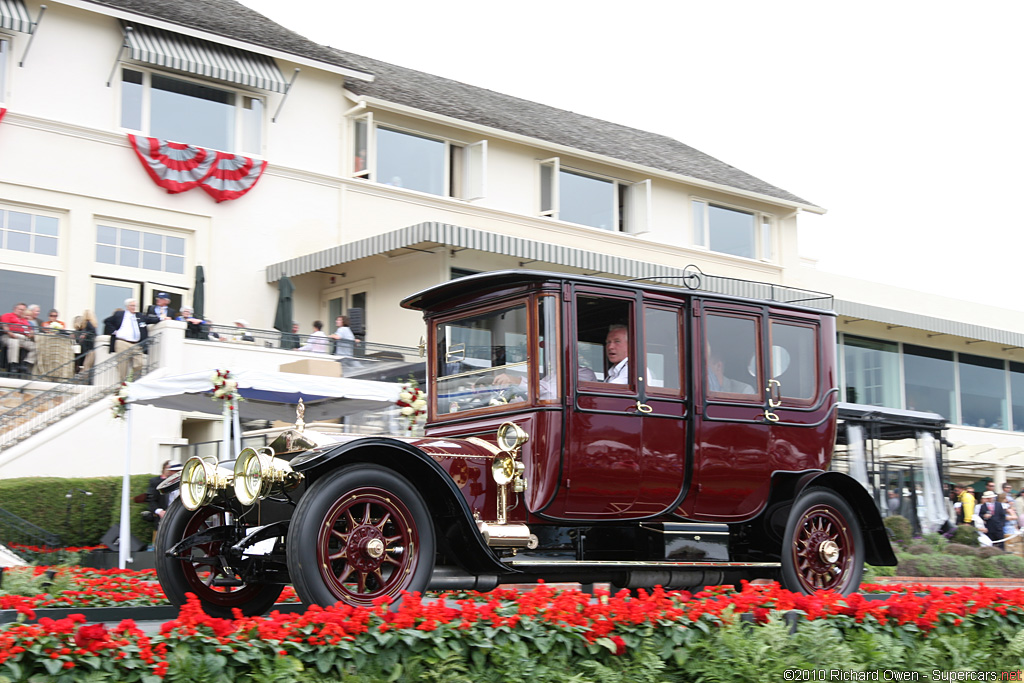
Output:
x=161 y=310
x=127 y=328
x=992 y=514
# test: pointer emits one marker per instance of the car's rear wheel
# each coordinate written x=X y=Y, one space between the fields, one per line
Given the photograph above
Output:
x=823 y=547
x=359 y=534
x=203 y=572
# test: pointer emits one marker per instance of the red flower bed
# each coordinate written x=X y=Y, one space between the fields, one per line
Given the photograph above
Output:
x=98 y=588
x=336 y=639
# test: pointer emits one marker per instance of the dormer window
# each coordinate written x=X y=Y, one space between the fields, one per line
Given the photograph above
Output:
x=590 y=199
x=414 y=161
x=727 y=230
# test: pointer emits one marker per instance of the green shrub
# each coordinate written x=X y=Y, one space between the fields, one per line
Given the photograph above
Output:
x=985 y=569
x=965 y=534
x=80 y=520
x=920 y=549
x=1010 y=566
x=960 y=549
x=899 y=529
x=873 y=573
x=991 y=551
x=937 y=541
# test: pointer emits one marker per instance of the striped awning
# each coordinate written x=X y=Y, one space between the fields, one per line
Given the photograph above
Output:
x=433 y=234
x=192 y=55
x=14 y=16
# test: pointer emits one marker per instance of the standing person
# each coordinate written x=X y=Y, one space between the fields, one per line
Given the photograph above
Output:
x=161 y=310
x=345 y=344
x=1010 y=525
x=318 y=342
x=127 y=328
x=84 y=335
x=894 y=502
x=990 y=511
x=195 y=328
x=967 y=505
x=17 y=335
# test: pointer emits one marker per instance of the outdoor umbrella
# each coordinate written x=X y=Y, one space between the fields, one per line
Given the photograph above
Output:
x=199 y=294
x=283 y=317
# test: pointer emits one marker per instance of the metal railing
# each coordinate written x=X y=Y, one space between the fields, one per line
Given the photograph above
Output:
x=71 y=395
x=14 y=529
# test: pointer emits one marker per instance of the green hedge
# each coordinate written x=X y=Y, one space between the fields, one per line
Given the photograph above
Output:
x=81 y=520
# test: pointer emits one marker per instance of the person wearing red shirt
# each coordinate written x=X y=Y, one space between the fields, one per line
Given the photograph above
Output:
x=17 y=335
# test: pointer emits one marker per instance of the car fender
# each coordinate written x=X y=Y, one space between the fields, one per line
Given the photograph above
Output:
x=430 y=479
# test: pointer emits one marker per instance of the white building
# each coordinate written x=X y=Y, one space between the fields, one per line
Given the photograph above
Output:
x=380 y=181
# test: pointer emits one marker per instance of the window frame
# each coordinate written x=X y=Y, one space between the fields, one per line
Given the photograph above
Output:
x=631 y=201
x=5 y=62
x=138 y=274
x=464 y=163
x=6 y=252
x=241 y=132
x=764 y=229
x=529 y=303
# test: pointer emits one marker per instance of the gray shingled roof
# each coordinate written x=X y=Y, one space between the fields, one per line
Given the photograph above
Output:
x=459 y=100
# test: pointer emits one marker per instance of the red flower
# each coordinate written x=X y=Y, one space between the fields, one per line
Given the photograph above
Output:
x=620 y=645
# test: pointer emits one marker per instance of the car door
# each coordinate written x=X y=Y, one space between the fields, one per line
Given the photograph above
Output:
x=731 y=468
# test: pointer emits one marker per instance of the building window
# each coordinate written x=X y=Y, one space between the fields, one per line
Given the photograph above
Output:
x=29 y=288
x=1017 y=395
x=418 y=162
x=872 y=371
x=5 y=48
x=982 y=391
x=187 y=111
x=930 y=381
x=731 y=231
x=140 y=249
x=28 y=232
x=587 y=199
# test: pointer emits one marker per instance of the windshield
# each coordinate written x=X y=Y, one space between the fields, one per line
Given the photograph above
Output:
x=487 y=360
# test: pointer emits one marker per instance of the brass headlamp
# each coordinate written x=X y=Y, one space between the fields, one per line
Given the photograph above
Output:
x=258 y=473
x=201 y=480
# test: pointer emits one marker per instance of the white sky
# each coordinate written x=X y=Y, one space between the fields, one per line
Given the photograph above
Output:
x=903 y=118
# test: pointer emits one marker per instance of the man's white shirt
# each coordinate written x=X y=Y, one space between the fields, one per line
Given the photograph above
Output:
x=618 y=373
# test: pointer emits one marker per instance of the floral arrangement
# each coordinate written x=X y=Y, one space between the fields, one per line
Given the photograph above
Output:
x=55 y=326
x=761 y=631
x=119 y=401
x=225 y=388
x=413 y=403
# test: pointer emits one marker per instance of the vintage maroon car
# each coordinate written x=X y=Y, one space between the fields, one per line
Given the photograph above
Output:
x=579 y=429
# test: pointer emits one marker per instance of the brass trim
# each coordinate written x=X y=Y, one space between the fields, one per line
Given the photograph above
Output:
x=696 y=531
x=483 y=444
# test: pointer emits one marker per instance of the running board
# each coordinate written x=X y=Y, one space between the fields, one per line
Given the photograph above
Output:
x=535 y=563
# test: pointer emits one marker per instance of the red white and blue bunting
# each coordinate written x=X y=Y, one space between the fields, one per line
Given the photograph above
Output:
x=178 y=167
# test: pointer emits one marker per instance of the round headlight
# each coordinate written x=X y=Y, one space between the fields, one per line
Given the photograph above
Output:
x=257 y=472
x=200 y=481
x=194 y=483
x=503 y=469
x=511 y=436
x=248 y=476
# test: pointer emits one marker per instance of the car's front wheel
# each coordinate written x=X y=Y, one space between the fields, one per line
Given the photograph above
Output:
x=358 y=534
x=202 y=569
